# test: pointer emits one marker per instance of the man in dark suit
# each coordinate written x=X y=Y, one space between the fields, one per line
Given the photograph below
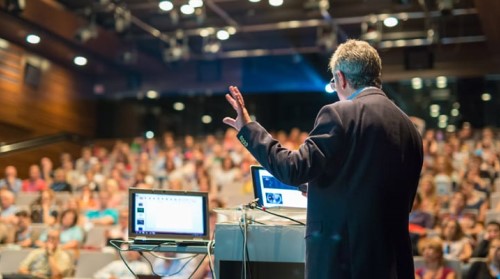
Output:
x=362 y=162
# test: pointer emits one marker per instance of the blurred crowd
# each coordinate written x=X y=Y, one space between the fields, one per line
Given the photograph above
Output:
x=455 y=216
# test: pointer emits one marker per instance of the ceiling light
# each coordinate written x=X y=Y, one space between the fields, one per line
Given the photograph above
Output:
x=391 y=22
x=441 y=82
x=443 y=118
x=152 y=94
x=222 y=35
x=196 y=3
x=451 y=128
x=442 y=124
x=455 y=112
x=435 y=110
x=179 y=106
x=187 y=10
x=86 y=33
x=231 y=30
x=206 y=119
x=276 y=3
x=486 y=97
x=33 y=39
x=166 y=6
x=211 y=47
x=254 y=1
x=416 y=83
x=80 y=60
x=205 y=32
x=150 y=134
x=123 y=19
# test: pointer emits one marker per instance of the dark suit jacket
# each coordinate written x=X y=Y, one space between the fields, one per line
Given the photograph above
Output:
x=362 y=161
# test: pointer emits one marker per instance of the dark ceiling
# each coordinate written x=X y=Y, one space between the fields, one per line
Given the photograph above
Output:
x=461 y=36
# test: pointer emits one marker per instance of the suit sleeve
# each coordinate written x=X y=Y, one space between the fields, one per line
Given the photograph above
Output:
x=295 y=167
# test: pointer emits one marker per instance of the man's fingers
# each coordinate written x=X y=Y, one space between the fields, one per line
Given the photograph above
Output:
x=229 y=121
x=233 y=102
x=235 y=92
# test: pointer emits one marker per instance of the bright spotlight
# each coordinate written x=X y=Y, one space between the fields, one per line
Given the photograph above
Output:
x=80 y=60
x=187 y=10
x=276 y=3
x=391 y=21
x=166 y=6
x=150 y=134
x=196 y=3
x=222 y=35
x=33 y=39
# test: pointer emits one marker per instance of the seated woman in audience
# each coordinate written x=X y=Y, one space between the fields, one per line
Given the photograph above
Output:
x=87 y=199
x=489 y=269
x=456 y=246
x=117 y=197
x=71 y=235
x=467 y=218
x=431 y=203
x=492 y=232
x=474 y=199
x=432 y=252
x=45 y=208
x=421 y=222
x=443 y=176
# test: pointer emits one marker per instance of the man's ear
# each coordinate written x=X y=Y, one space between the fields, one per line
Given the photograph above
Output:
x=341 y=80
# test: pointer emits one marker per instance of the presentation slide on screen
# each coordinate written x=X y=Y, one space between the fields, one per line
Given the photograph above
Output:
x=276 y=193
x=169 y=214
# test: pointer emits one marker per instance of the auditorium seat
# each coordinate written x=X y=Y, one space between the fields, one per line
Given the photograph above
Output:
x=89 y=262
x=95 y=238
x=10 y=259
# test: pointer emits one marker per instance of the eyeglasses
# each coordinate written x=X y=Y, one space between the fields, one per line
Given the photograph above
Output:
x=332 y=81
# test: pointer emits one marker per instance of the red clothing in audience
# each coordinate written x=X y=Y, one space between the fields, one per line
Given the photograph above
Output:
x=34 y=186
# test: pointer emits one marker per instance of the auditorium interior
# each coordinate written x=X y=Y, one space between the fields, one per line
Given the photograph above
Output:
x=100 y=96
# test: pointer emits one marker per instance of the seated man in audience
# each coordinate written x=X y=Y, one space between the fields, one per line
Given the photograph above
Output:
x=11 y=181
x=34 y=183
x=23 y=231
x=49 y=262
x=492 y=232
x=60 y=184
x=7 y=207
x=118 y=269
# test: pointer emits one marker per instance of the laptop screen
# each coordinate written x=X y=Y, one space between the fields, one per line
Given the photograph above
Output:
x=272 y=193
x=165 y=214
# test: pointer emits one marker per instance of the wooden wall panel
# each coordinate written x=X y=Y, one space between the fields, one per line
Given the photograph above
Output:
x=22 y=160
x=62 y=101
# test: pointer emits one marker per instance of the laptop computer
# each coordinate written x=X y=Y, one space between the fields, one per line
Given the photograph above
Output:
x=168 y=217
x=272 y=193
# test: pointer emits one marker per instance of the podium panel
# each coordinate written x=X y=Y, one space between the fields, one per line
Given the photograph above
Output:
x=273 y=251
